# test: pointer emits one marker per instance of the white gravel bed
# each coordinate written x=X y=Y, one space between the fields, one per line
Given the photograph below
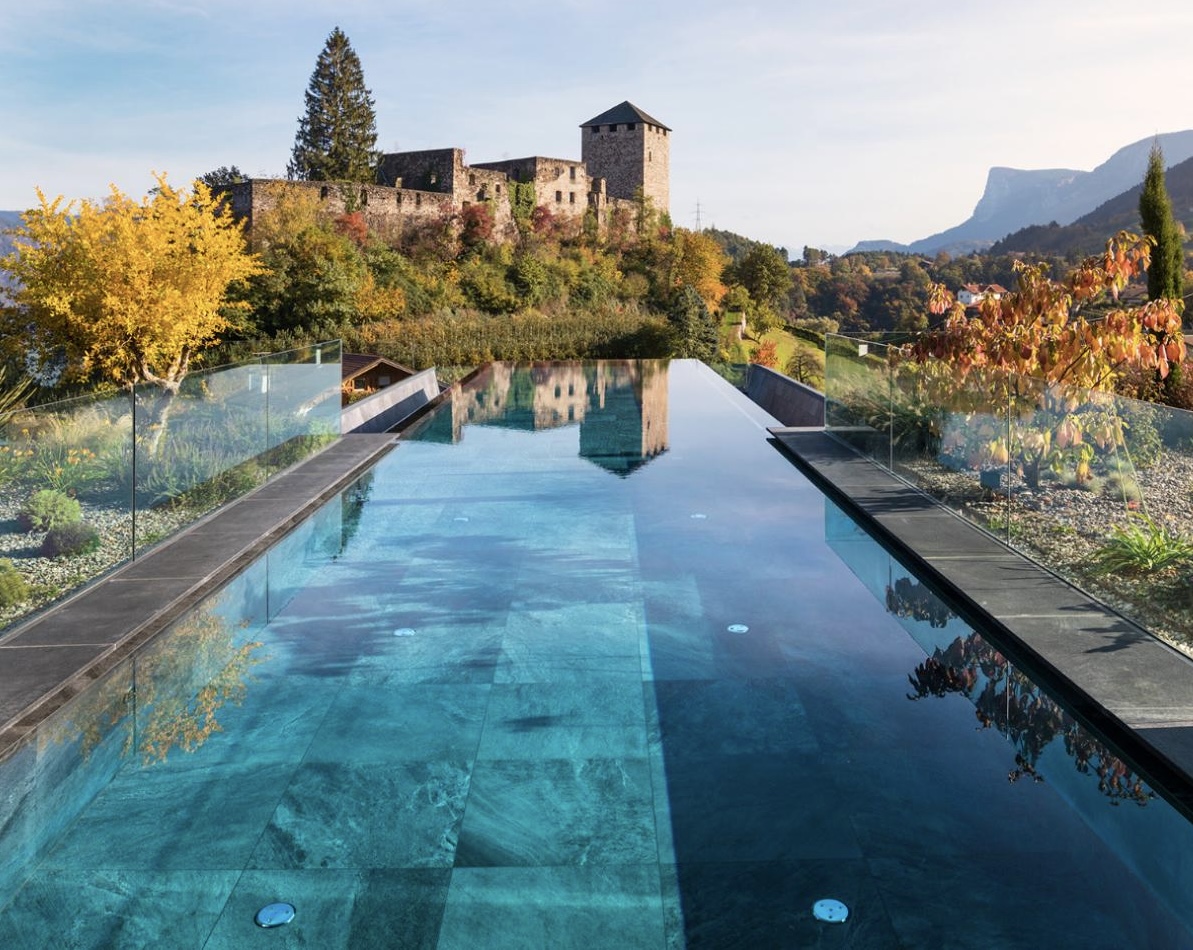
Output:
x=51 y=579
x=1063 y=527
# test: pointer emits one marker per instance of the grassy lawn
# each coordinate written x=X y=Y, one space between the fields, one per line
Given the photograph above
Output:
x=786 y=347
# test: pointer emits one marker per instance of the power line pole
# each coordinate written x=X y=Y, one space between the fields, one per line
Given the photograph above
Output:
x=697 y=214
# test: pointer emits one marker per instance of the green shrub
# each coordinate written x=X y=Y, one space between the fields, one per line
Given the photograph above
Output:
x=1141 y=546
x=70 y=540
x=13 y=587
x=48 y=509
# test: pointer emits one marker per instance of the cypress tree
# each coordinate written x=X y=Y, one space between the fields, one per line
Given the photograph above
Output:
x=337 y=135
x=1166 y=274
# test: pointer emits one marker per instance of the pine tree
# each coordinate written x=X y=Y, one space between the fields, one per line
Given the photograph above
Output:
x=336 y=137
x=1166 y=272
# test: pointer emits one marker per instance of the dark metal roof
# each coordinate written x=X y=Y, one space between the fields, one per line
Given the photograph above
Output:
x=353 y=364
x=626 y=112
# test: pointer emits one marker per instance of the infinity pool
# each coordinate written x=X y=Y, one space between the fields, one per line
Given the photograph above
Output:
x=584 y=662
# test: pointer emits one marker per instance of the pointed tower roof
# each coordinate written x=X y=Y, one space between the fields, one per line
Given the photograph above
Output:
x=625 y=112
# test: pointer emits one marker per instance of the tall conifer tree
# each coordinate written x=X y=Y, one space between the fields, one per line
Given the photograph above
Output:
x=1166 y=273
x=337 y=135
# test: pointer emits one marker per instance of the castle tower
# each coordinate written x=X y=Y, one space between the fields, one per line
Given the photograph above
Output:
x=630 y=150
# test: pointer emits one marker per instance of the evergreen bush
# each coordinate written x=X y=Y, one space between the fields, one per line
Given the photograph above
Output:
x=70 y=540
x=47 y=509
x=13 y=587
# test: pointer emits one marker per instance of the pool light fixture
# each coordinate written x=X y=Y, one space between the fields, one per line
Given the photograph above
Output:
x=830 y=911
x=738 y=628
x=275 y=915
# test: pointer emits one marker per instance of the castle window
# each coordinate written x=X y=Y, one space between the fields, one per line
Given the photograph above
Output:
x=497 y=189
x=418 y=201
x=612 y=128
x=434 y=178
x=571 y=197
x=471 y=178
x=324 y=191
x=650 y=156
x=559 y=197
x=629 y=127
x=572 y=172
x=596 y=129
x=399 y=199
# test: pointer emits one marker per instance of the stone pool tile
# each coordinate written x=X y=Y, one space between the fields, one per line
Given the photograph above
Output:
x=104 y=618
x=578 y=629
x=600 y=717
x=173 y=820
x=756 y=808
x=558 y=907
x=537 y=666
x=921 y=896
x=429 y=653
x=906 y=802
x=115 y=908
x=402 y=723
x=403 y=815
x=556 y=812
x=936 y=533
x=30 y=673
x=708 y=718
x=751 y=904
x=337 y=909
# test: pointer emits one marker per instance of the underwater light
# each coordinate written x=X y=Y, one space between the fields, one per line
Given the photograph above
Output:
x=738 y=628
x=274 y=915
x=830 y=911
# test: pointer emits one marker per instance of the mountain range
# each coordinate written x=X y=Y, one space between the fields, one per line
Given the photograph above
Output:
x=1016 y=198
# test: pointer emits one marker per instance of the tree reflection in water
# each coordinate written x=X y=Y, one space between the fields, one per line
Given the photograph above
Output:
x=168 y=697
x=1006 y=700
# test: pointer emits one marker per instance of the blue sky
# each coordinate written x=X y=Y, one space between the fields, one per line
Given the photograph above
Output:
x=794 y=122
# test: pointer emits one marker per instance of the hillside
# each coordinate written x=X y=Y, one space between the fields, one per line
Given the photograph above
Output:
x=1088 y=234
x=1015 y=199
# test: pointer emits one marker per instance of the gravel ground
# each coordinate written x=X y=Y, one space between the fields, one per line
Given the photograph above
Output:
x=1062 y=527
x=53 y=578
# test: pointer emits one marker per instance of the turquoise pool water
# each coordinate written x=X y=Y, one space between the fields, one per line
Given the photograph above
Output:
x=496 y=696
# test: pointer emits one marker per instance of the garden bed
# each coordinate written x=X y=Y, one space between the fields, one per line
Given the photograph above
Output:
x=1064 y=527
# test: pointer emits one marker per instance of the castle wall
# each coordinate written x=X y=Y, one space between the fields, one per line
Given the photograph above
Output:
x=425 y=186
x=385 y=209
x=560 y=184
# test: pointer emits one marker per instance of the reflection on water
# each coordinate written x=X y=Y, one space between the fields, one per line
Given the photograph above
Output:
x=1006 y=700
x=959 y=661
x=620 y=407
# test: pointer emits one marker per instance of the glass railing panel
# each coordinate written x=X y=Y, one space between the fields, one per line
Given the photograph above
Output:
x=857 y=389
x=199 y=448
x=946 y=437
x=303 y=405
x=65 y=492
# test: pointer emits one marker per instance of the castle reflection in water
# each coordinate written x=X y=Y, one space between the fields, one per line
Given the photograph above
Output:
x=619 y=405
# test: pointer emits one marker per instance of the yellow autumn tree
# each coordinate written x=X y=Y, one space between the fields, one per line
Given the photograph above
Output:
x=699 y=262
x=128 y=291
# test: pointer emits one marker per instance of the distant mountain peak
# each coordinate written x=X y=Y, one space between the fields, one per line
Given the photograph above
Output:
x=1016 y=198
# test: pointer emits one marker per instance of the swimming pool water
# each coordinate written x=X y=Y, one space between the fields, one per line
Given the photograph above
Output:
x=493 y=697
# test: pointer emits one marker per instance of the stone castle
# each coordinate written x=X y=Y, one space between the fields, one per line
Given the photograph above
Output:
x=623 y=153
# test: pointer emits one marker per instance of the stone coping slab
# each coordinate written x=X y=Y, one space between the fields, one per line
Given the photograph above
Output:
x=1107 y=671
x=55 y=655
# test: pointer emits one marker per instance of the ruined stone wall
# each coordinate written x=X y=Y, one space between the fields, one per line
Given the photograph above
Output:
x=560 y=184
x=432 y=170
x=386 y=210
x=630 y=156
